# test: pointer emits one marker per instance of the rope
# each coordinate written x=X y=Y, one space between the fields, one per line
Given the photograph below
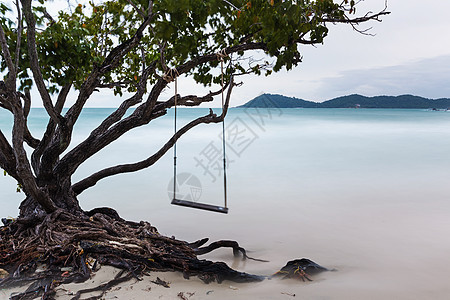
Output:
x=169 y=76
x=221 y=55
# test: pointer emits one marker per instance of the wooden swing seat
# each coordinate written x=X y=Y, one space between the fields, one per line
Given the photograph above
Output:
x=198 y=205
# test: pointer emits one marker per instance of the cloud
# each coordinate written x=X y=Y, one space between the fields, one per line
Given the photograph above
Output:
x=428 y=78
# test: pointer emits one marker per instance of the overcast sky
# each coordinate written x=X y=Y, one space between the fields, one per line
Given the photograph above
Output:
x=409 y=54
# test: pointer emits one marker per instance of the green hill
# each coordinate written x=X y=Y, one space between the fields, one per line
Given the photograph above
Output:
x=269 y=100
x=350 y=101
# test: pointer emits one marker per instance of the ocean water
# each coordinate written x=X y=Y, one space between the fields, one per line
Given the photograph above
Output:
x=365 y=192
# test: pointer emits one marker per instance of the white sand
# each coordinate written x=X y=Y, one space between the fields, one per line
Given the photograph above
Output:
x=179 y=288
x=190 y=289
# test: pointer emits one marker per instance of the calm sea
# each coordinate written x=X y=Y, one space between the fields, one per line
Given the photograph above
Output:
x=363 y=191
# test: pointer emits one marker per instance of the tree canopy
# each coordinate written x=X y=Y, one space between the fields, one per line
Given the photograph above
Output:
x=170 y=32
x=139 y=47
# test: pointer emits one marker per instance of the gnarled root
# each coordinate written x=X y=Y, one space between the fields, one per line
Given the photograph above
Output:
x=300 y=269
x=69 y=247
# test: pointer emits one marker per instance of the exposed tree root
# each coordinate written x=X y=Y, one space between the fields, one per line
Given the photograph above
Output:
x=63 y=247
x=300 y=269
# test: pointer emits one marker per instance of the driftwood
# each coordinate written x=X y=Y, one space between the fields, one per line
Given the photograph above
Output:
x=66 y=248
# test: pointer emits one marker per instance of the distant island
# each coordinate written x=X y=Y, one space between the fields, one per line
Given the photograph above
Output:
x=351 y=101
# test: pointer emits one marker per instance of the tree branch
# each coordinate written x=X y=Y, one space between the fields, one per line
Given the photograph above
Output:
x=62 y=97
x=123 y=108
x=4 y=102
x=49 y=134
x=190 y=100
x=61 y=140
x=140 y=12
x=96 y=141
x=110 y=63
x=146 y=108
x=7 y=159
x=29 y=138
x=26 y=102
x=48 y=17
x=90 y=181
x=34 y=62
x=98 y=137
x=121 y=84
x=23 y=167
x=11 y=81
x=356 y=21
x=141 y=116
x=19 y=38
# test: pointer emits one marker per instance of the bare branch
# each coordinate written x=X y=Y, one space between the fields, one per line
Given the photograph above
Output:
x=49 y=132
x=22 y=164
x=162 y=47
x=140 y=12
x=4 y=102
x=231 y=4
x=111 y=85
x=62 y=97
x=190 y=100
x=7 y=159
x=26 y=102
x=143 y=59
x=29 y=139
x=135 y=99
x=355 y=21
x=19 y=38
x=9 y=63
x=150 y=7
x=5 y=147
x=49 y=17
x=34 y=62
x=186 y=67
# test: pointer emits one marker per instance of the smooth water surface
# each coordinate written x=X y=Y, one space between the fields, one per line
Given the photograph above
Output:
x=363 y=191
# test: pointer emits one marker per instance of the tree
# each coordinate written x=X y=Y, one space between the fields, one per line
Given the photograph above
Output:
x=136 y=47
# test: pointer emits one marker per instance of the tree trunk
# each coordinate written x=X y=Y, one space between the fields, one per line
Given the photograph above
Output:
x=60 y=192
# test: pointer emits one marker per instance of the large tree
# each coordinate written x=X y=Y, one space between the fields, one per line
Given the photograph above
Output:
x=134 y=48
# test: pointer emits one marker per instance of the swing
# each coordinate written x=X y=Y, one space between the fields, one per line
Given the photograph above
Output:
x=193 y=204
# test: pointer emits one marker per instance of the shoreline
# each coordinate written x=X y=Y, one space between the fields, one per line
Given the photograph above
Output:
x=179 y=288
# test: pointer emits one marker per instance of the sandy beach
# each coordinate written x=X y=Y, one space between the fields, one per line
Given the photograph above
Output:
x=179 y=288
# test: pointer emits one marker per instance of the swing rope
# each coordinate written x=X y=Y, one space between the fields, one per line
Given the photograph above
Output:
x=169 y=76
x=221 y=55
x=175 y=144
